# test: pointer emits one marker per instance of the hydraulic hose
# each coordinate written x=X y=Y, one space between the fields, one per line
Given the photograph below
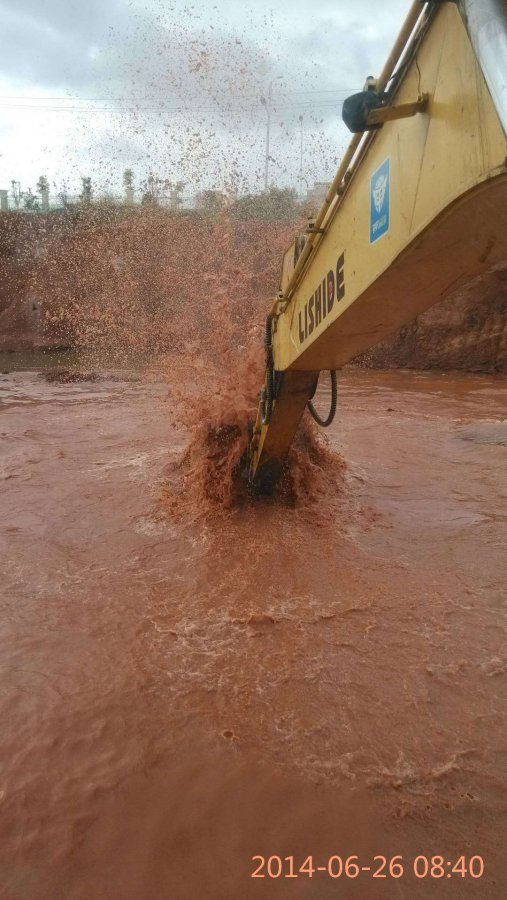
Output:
x=267 y=394
x=324 y=423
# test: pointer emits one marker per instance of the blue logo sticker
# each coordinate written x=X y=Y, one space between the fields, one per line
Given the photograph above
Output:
x=379 y=202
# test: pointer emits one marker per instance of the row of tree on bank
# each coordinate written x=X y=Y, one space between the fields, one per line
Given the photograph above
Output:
x=153 y=190
x=273 y=204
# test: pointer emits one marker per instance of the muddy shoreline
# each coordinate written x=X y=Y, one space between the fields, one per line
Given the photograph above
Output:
x=136 y=296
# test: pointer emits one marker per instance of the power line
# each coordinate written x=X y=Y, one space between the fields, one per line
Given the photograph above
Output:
x=163 y=110
x=133 y=99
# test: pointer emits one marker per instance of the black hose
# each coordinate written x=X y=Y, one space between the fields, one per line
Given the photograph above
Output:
x=268 y=340
x=267 y=394
x=324 y=423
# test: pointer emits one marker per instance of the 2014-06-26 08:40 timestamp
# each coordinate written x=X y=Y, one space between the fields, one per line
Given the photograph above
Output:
x=378 y=867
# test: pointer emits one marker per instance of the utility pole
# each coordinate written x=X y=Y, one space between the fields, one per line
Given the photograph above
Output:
x=267 y=104
x=301 y=161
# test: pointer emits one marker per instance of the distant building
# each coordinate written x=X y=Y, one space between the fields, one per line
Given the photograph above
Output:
x=316 y=195
x=4 y=201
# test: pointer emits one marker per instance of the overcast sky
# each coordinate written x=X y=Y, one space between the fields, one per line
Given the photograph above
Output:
x=90 y=87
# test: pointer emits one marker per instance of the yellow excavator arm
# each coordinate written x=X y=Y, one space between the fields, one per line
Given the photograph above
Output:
x=417 y=208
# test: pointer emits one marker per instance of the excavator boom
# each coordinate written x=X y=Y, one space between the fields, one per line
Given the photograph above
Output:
x=417 y=209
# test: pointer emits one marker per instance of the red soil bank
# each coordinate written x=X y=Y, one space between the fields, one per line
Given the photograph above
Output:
x=465 y=331
x=141 y=281
x=147 y=280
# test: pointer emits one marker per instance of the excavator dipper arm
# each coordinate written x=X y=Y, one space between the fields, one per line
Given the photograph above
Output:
x=417 y=209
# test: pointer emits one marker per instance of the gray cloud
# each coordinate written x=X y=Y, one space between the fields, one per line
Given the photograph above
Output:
x=190 y=79
x=50 y=44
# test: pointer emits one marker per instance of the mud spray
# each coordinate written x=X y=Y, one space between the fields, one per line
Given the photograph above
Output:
x=185 y=296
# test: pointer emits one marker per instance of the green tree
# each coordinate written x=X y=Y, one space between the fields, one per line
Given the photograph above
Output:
x=86 y=190
x=42 y=188
x=128 y=179
x=152 y=187
x=30 y=201
x=175 y=189
x=276 y=204
x=210 y=203
x=128 y=185
x=42 y=184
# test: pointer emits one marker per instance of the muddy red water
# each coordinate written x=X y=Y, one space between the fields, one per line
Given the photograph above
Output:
x=322 y=678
